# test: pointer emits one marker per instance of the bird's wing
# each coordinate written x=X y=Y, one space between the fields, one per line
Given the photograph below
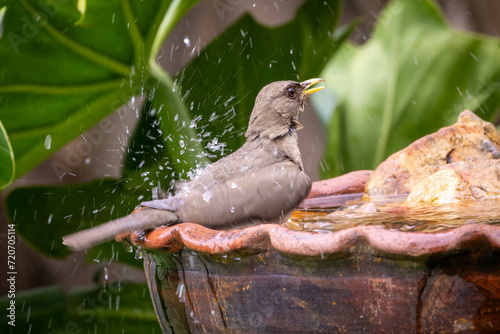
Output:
x=265 y=194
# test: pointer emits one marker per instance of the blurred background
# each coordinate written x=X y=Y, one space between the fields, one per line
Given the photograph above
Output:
x=199 y=27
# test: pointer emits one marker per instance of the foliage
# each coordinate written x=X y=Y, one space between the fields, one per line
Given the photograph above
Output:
x=69 y=69
x=414 y=76
x=117 y=308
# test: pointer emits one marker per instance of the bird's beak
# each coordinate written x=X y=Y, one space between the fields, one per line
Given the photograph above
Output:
x=308 y=83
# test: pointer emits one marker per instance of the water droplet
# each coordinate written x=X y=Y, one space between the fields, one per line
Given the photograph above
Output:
x=231 y=209
x=138 y=254
x=106 y=276
x=187 y=41
x=207 y=195
x=154 y=192
x=213 y=117
x=129 y=249
x=181 y=292
x=181 y=143
x=49 y=220
x=233 y=185
x=224 y=256
x=48 y=142
x=228 y=100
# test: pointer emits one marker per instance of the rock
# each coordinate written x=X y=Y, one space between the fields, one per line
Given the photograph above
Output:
x=459 y=182
x=471 y=140
x=443 y=187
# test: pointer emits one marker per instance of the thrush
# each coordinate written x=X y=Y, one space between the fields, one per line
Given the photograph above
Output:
x=261 y=182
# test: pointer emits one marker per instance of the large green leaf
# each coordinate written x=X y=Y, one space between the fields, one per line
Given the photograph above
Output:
x=117 y=308
x=221 y=95
x=67 y=71
x=412 y=77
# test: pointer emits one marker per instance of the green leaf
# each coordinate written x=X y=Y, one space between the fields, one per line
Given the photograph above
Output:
x=67 y=71
x=6 y=157
x=117 y=308
x=415 y=75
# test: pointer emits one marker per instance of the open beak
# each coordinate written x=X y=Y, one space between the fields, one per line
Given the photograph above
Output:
x=308 y=83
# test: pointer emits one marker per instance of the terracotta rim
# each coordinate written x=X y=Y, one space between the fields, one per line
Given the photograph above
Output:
x=261 y=238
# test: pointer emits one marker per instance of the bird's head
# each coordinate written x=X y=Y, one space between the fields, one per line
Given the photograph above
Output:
x=277 y=108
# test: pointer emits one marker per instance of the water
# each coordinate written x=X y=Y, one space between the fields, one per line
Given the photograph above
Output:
x=414 y=217
x=48 y=142
x=207 y=195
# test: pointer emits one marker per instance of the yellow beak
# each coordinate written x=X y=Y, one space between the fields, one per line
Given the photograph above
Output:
x=308 y=83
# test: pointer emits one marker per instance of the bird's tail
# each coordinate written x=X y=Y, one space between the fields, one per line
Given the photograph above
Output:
x=141 y=220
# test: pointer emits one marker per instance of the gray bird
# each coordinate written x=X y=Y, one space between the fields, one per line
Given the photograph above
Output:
x=261 y=182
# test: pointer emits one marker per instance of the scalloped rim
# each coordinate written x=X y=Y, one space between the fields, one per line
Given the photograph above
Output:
x=263 y=237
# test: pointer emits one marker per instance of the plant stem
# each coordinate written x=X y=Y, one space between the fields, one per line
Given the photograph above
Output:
x=134 y=32
x=167 y=96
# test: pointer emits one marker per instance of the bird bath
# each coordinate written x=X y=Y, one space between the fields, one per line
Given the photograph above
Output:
x=365 y=278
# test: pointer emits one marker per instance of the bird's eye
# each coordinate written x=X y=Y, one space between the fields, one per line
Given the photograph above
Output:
x=291 y=92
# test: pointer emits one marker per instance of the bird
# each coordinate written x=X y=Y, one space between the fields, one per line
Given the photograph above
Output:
x=261 y=182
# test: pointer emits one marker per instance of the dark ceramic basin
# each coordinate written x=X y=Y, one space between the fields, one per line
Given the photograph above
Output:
x=364 y=279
